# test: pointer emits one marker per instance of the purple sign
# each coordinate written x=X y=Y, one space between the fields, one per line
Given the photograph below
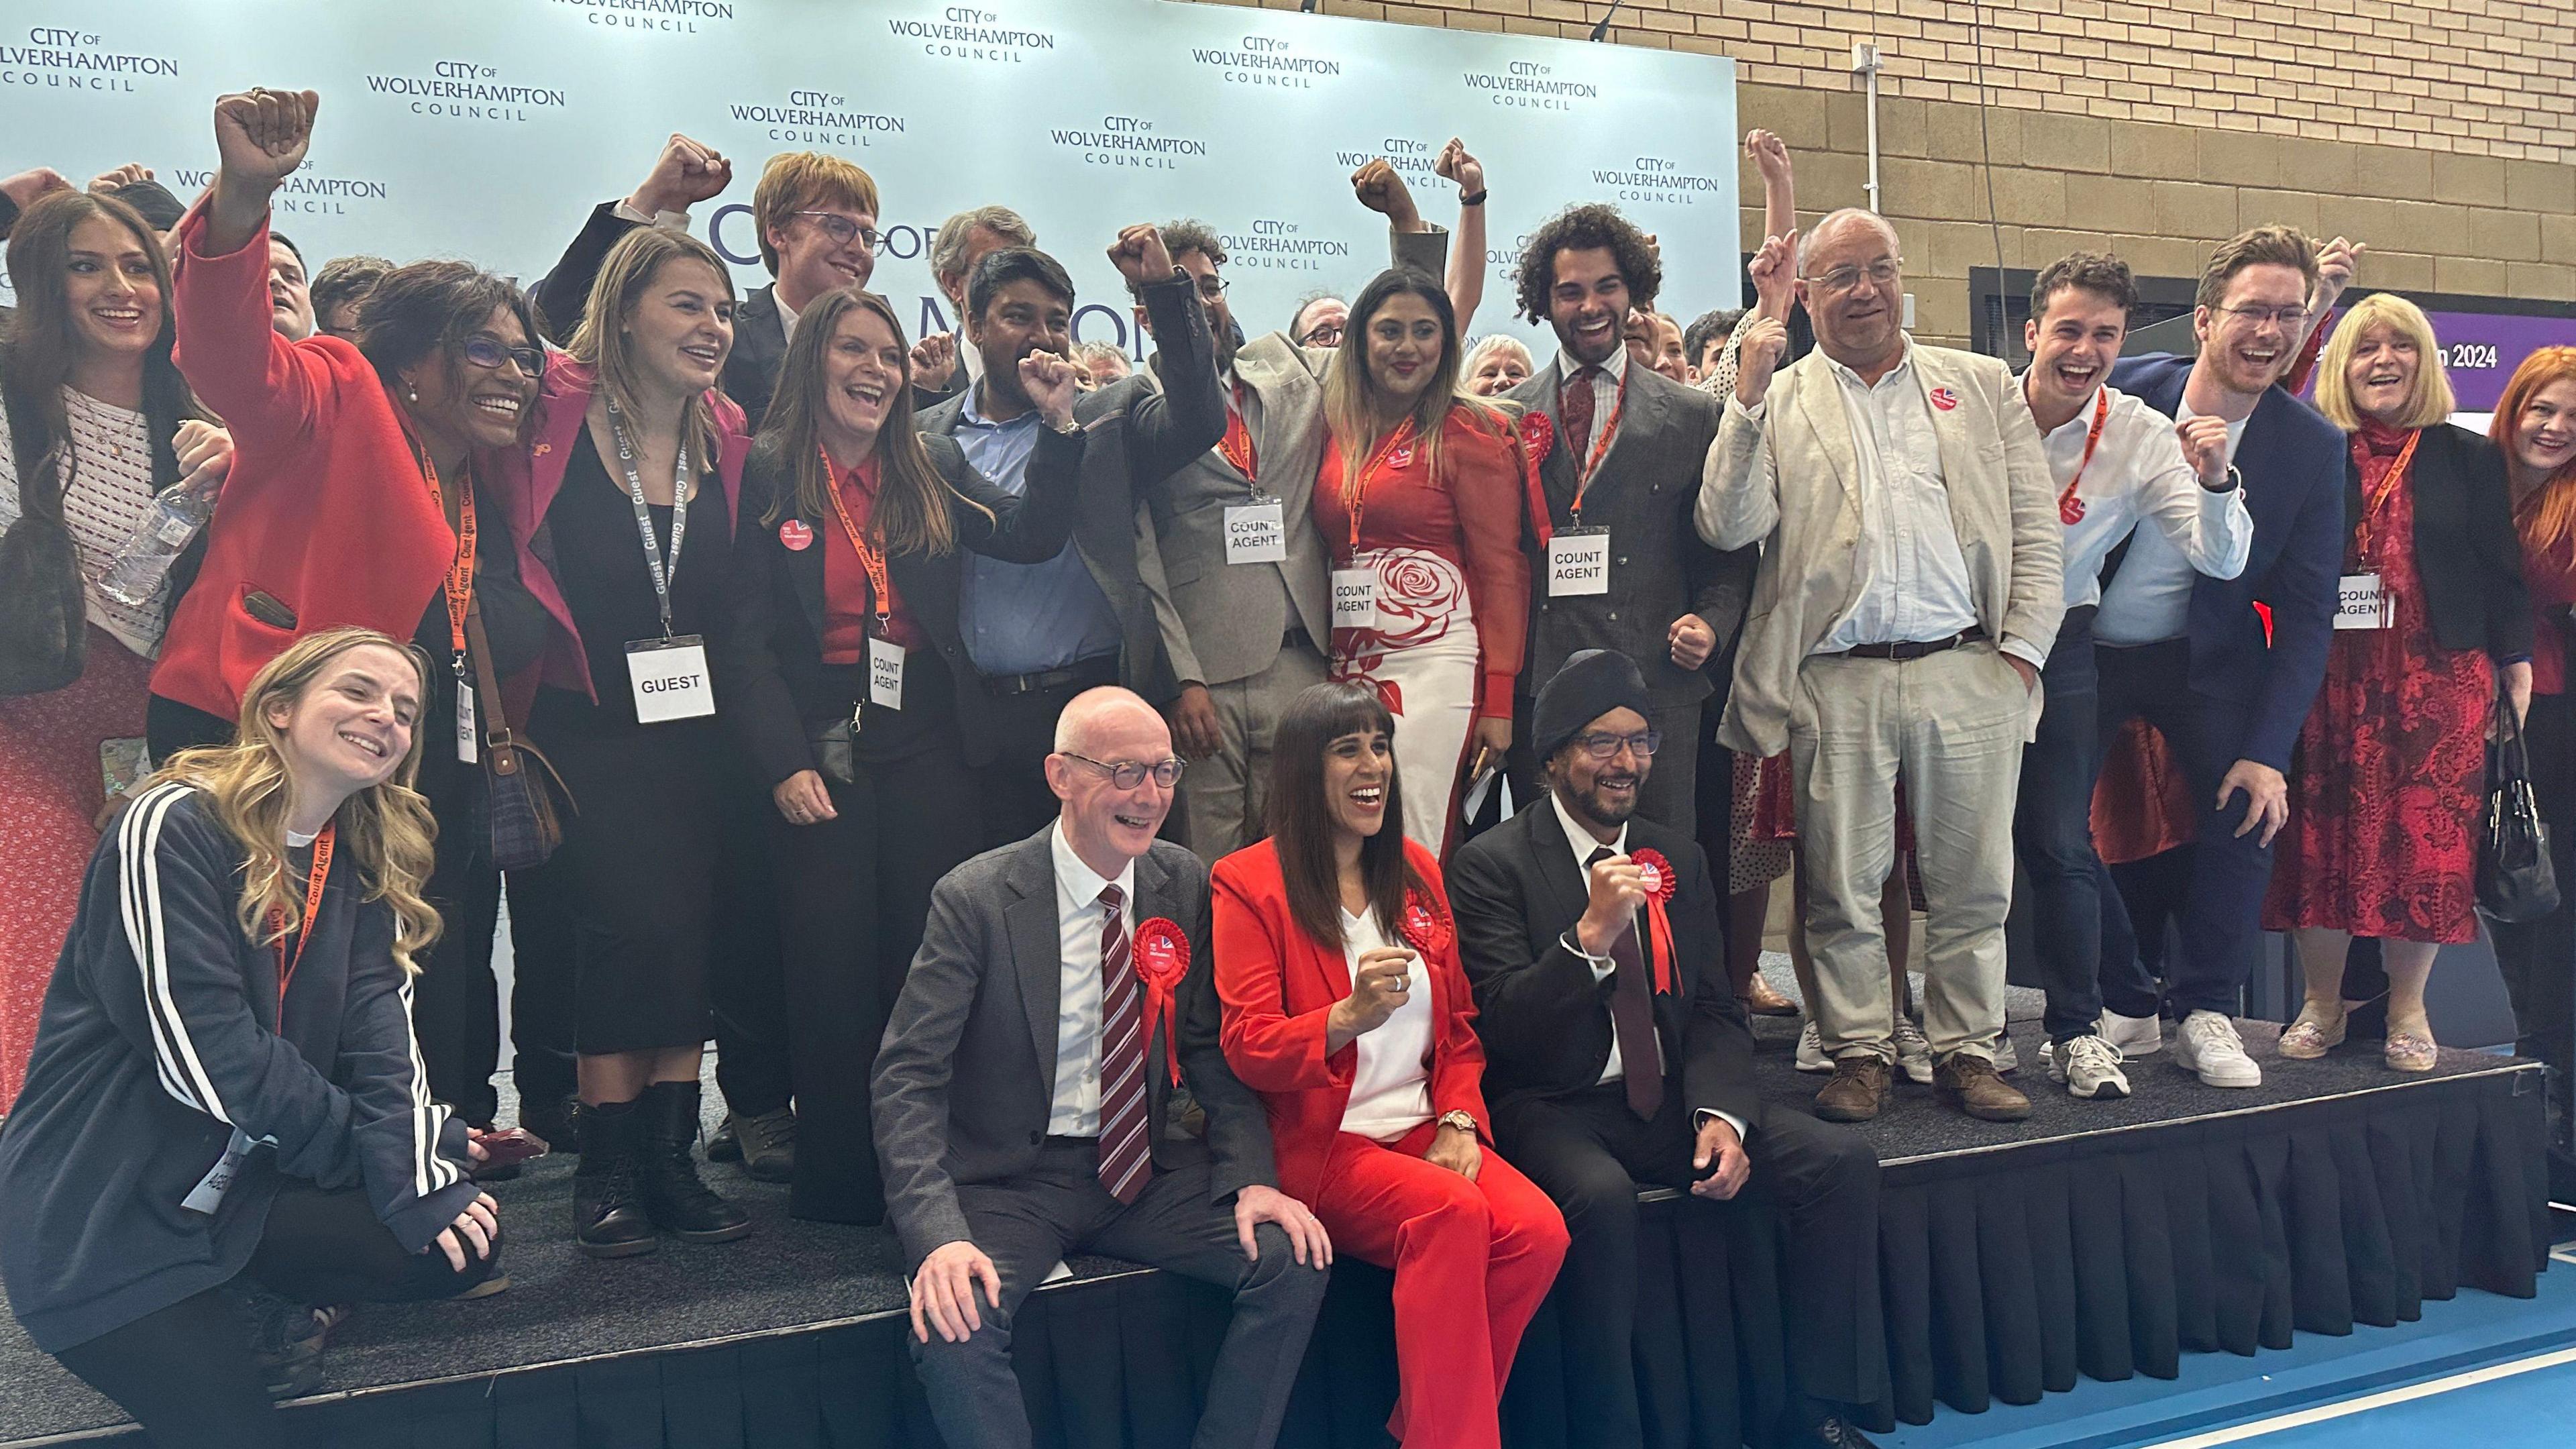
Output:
x=2482 y=349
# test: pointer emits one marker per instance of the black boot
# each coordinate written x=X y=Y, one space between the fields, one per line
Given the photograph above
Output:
x=608 y=1216
x=677 y=1201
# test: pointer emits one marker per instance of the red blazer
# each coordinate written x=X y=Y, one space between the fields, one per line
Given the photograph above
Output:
x=324 y=509
x=1278 y=987
x=528 y=478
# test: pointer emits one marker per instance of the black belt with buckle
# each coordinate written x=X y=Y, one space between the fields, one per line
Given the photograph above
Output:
x=1088 y=672
x=1913 y=649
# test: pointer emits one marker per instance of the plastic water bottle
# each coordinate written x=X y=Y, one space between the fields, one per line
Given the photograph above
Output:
x=144 y=559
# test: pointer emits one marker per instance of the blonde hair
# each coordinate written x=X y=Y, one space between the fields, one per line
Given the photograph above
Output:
x=602 y=342
x=2431 y=400
x=2546 y=515
x=795 y=181
x=386 y=829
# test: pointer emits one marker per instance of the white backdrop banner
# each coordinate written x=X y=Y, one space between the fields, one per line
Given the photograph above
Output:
x=485 y=129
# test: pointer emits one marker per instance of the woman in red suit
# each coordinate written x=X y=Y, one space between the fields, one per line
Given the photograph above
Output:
x=1346 y=1009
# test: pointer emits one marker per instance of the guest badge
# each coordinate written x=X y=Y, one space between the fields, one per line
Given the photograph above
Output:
x=2363 y=603
x=885 y=673
x=1256 y=532
x=669 y=677
x=1355 y=598
x=1578 y=563
x=469 y=740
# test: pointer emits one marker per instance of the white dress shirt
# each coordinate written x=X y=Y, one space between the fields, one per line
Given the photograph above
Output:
x=1605 y=396
x=786 y=315
x=2149 y=600
x=1913 y=576
x=2139 y=474
x=1390 y=1085
x=1078 y=921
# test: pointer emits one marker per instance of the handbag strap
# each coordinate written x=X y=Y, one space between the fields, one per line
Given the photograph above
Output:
x=500 y=747
x=2513 y=752
x=41 y=485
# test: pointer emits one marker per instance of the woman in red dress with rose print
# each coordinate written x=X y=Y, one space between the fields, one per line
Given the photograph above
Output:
x=1420 y=499
x=1346 y=1009
x=2390 y=769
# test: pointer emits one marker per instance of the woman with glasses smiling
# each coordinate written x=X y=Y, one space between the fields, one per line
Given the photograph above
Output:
x=366 y=490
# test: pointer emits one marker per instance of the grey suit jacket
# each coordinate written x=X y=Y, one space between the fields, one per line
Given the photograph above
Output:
x=1789 y=480
x=1659 y=568
x=1221 y=623
x=1133 y=436
x=966 y=1075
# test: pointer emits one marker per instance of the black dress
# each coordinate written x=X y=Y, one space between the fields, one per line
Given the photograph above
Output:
x=640 y=853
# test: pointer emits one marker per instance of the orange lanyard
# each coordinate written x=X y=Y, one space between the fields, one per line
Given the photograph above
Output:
x=1355 y=493
x=1601 y=447
x=460 y=570
x=2387 y=486
x=1237 y=443
x=2068 y=509
x=314 y=881
x=873 y=560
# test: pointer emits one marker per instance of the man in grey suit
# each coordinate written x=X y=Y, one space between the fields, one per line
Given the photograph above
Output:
x=1022 y=1097
x=1616 y=564
x=1238 y=568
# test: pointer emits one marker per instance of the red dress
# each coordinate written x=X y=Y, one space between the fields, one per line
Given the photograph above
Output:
x=2387 y=783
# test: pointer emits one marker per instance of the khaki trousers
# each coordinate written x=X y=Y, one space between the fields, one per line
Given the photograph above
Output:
x=1223 y=797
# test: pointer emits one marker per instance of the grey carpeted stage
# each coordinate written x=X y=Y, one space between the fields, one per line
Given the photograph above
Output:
x=790 y=1336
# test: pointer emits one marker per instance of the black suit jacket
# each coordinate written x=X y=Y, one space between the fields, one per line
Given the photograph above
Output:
x=2466 y=549
x=1134 y=438
x=759 y=332
x=770 y=663
x=1545 y=1021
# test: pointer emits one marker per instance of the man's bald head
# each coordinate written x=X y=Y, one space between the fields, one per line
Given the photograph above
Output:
x=1096 y=711
x=1830 y=232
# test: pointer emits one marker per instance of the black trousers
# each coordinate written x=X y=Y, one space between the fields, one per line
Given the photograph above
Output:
x=1012 y=794
x=853 y=893
x=2053 y=832
x=542 y=1000
x=747 y=987
x=1591 y=1154
x=2539 y=957
x=186 y=1373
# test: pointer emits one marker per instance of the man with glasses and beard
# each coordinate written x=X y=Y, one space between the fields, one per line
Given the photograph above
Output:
x=1618 y=1056
x=1910 y=589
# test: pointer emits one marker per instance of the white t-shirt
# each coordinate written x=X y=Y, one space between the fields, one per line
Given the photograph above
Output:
x=1391 y=1089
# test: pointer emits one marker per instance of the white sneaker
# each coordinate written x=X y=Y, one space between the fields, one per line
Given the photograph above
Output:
x=1811 y=1051
x=2207 y=1043
x=2089 y=1066
x=2135 y=1036
x=1913 y=1052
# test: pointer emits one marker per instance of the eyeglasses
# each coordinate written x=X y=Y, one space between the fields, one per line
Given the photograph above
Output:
x=842 y=230
x=1323 y=337
x=489 y=352
x=1603 y=745
x=1128 y=774
x=1843 y=279
x=1213 y=288
x=2288 y=317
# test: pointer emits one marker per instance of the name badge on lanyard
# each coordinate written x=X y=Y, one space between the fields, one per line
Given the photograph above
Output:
x=669 y=677
x=1354 y=598
x=468 y=739
x=2363 y=603
x=208 y=1194
x=885 y=673
x=1578 y=563
x=1256 y=532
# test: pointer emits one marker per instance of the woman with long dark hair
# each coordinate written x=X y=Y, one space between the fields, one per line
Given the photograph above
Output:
x=365 y=493
x=1419 y=498
x=98 y=423
x=848 y=712
x=625 y=503
x=225 y=1084
x=1346 y=1009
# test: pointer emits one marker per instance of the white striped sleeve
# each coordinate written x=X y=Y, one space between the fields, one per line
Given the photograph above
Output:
x=139 y=890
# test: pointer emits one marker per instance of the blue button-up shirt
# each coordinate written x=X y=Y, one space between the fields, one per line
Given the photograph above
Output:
x=1025 y=618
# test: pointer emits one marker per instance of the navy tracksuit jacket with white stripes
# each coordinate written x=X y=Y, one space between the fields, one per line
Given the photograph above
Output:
x=159 y=1037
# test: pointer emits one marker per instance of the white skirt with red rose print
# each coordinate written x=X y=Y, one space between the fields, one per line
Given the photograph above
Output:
x=1421 y=659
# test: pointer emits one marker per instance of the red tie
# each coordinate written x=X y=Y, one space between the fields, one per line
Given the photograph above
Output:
x=1125 y=1158
x=1574 y=405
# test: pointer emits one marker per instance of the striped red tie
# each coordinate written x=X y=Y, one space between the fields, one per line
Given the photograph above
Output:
x=1125 y=1158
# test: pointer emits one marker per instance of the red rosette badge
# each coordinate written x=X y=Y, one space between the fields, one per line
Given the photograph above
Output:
x=1425 y=929
x=1661 y=882
x=1162 y=958
x=1538 y=438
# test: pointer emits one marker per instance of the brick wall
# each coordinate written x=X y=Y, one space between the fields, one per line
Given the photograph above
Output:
x=2441 y=134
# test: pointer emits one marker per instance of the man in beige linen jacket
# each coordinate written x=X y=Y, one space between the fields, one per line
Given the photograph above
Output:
x=1908 y=595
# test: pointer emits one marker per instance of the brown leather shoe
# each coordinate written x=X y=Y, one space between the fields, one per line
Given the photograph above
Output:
x=1971 y=1082
x=1858 y=1087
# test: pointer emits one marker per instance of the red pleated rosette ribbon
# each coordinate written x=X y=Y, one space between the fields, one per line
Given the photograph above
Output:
x=1661 y=882
x=1426 y=929
x=1538 y=435
x=1162 y=959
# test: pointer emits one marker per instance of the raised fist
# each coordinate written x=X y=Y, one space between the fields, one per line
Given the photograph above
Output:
x=1139 y=255
x=1766 y=339
x=261 y=135
x=686 y=173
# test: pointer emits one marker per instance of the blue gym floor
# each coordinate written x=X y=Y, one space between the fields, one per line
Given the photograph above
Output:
x=2498 y=1372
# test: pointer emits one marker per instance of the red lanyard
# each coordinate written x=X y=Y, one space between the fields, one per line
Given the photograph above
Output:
x=460 y=570
x=314 y=881
x=2387 y=486
x=1355 y=493
x=1237 y=443
x=881 y=592
x=1601 y=447
x=2070 y=509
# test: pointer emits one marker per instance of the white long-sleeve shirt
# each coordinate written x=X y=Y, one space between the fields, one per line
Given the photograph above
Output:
x=2138 y=474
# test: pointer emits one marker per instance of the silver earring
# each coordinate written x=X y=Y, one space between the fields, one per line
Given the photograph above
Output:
x=413 y=394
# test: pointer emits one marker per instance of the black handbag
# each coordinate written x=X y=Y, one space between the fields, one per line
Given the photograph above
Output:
x=2516 y=882
x=44 y=617
x=520 y=807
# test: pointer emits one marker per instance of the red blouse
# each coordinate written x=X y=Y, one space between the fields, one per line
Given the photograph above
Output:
x=849 y=605
x=1470 y=515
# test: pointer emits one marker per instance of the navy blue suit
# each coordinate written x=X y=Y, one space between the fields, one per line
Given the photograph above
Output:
x=2230 y=694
